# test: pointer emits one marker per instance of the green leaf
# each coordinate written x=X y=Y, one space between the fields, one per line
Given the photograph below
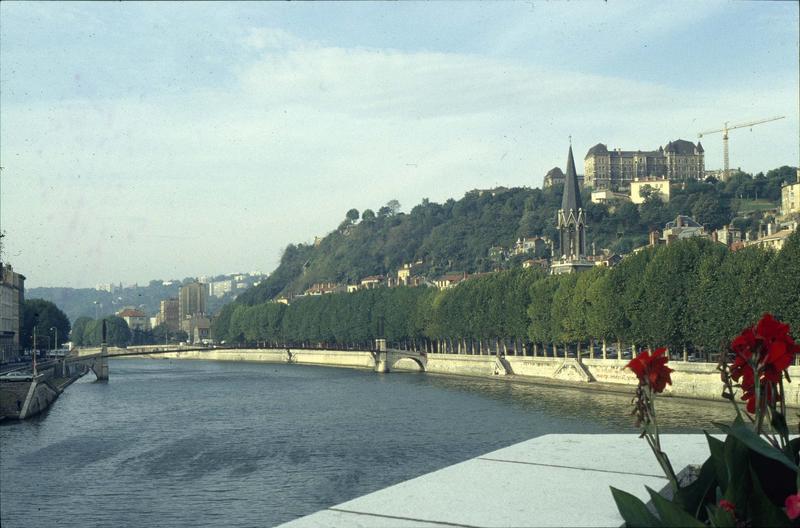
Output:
x=749 y=438
x=720 y=517
x=670 y=513
x=633 y=510
x=692 y=497
x=736 y=463
x=762 y=510
x=717 y=449
x=792 y=449
x=779 y=424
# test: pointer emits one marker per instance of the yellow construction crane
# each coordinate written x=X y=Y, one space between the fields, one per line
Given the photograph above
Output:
x=725 y=130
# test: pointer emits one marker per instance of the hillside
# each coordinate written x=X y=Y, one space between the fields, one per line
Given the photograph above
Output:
x=458 y=234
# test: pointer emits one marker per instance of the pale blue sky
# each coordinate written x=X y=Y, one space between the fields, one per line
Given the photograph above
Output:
x=159 y=140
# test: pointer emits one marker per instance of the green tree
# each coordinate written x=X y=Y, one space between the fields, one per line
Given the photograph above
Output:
x=779 y=286
x=352 y=216
x=42 y=315
x=541 y=295
x=78 y=330
x=368 y=215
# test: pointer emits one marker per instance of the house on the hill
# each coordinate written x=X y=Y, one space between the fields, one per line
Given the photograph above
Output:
x=322 y=288
x=373 y=281
x=448 y=280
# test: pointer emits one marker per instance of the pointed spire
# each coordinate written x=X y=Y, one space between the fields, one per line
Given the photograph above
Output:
x=572 y=194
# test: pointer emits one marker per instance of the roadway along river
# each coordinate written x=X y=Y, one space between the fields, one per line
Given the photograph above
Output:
x=195 y=443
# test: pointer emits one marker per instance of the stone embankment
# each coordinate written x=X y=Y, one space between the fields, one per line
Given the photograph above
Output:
x=690 y=380
x=22 y=399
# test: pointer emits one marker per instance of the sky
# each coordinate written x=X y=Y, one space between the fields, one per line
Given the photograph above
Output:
x=144 y=141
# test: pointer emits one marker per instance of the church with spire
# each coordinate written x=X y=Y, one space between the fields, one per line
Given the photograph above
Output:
x=571 y=222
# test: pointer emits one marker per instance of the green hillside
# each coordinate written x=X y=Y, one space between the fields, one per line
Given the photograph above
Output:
x=457 y=235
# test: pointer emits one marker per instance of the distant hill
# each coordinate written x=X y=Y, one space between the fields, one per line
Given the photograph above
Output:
x=458 y=234
x=80 y=302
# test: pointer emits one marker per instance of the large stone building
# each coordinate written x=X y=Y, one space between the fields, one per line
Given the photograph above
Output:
x=571 y=223
x=192 y=300
x=12 y=295
x=614 y=169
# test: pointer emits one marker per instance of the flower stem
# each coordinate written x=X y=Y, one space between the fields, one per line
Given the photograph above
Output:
x=654 y=439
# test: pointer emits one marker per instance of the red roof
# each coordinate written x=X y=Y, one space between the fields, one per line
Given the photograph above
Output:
x=130 y=312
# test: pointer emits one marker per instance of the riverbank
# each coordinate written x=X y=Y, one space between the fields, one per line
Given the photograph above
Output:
x=690 y=380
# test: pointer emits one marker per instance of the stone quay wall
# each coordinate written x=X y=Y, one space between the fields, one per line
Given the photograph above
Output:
x=690 y=380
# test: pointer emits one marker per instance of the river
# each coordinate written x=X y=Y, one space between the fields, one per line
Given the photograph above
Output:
x=200 y=443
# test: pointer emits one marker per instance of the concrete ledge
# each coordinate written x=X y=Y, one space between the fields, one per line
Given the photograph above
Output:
x=553 y=480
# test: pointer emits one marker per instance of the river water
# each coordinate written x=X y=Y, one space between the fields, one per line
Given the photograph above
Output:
x=197 y=443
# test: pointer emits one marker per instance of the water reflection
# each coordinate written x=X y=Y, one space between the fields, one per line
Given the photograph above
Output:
x=197 y=443
x=676 y=415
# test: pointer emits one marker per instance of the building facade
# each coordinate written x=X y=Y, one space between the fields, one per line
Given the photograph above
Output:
x=12 y=295
x=790 y=198
x=192 y=300
x=136 y=319
x=679 y=161
x=169 y=314
x=641 y=186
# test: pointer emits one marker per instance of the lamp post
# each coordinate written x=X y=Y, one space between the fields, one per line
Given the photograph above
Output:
x=34 y=351
x=55 y=344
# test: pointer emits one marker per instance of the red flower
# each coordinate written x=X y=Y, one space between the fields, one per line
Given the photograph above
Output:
x=652 y=370
x=792 y=504
x=766 y=348
x=728 y=506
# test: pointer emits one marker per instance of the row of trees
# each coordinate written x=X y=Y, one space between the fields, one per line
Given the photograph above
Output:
x=693 y=293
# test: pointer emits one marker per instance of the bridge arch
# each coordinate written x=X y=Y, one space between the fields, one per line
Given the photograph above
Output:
x=395 y=357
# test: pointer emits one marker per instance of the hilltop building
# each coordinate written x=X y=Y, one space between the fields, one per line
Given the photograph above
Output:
x=555 y=177
x=679 y=161
x=12 y=295
x=571 y=223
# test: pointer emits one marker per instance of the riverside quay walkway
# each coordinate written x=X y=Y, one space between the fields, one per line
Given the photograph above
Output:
x=552 y=480
x=691 y=379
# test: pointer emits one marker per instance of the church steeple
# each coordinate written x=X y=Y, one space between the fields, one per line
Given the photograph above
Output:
x=571 y=223
x=572 y=194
